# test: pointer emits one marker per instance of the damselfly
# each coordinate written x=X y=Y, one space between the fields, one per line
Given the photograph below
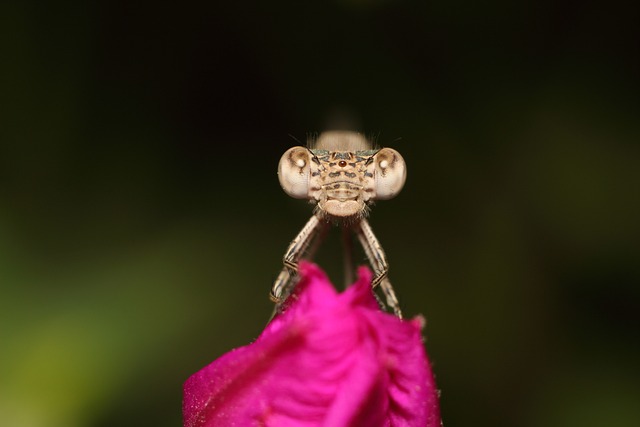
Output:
x=342 y=175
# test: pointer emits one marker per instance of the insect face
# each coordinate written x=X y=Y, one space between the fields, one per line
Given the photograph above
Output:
x=341 y=174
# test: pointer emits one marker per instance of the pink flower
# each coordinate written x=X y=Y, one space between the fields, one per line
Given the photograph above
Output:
x=328 y=360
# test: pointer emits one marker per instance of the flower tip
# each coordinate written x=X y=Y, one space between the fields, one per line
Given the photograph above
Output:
x=365 y=274
x=328 y=359
x=420 y=321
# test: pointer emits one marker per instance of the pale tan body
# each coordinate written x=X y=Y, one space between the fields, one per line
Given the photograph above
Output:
x=342 y=175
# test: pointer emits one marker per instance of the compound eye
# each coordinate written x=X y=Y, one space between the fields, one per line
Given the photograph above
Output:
x=390 y=173
x=293 y=172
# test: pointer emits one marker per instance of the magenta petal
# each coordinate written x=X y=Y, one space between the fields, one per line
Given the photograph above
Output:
x=328 y=360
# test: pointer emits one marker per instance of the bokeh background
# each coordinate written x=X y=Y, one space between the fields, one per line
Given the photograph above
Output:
x=141 y=221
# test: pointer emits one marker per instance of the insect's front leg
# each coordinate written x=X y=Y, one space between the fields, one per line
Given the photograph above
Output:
x=296 y=249
x=379 y=263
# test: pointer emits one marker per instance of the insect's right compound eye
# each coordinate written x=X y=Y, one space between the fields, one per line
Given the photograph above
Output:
x=293 y=172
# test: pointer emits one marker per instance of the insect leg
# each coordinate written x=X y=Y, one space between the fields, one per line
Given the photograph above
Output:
x=291 y=257
x=315 y=242
x=378 y=261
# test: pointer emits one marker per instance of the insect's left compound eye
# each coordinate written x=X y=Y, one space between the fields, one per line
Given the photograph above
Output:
x=390 y=173
x=293 y=172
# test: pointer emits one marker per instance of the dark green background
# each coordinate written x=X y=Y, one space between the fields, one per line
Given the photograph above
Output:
x=141 y=220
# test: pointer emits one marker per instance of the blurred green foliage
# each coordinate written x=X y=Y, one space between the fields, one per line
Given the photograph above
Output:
x=141 y=222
